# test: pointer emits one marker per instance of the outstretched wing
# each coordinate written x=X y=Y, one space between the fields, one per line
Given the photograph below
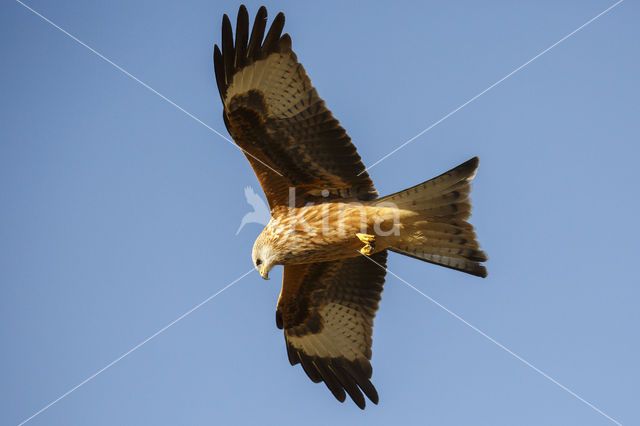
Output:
x=327 y=311
x=275 y=115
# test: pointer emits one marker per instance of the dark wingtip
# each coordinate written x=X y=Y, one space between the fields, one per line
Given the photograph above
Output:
x=218 y=67
x=483 y=272
x=225 y=21
x=257 y=32
x=248 y=46
x=273 y=35
x=227 y=49
x=371 y=392
x=242 y=38
x=285 y=42
x=279 y=19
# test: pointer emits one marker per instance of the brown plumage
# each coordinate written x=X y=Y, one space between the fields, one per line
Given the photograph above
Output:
x=325 y=210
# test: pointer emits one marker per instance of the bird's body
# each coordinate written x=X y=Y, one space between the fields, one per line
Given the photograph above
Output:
x=328 y=228
x=324 y=232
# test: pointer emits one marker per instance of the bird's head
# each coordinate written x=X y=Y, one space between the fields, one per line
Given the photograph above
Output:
x=263 y=256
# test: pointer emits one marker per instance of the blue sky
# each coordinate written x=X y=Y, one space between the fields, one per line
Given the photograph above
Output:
x=118 y=213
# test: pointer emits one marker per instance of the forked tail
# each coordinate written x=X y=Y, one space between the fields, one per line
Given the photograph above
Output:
x=433 y=221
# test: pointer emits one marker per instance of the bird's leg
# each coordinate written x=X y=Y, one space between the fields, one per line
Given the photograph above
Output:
x=369 y=243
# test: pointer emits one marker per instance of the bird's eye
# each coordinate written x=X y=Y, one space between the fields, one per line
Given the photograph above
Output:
x=258 y=262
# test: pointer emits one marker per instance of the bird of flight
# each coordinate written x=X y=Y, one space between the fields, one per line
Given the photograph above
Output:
x=328 y=227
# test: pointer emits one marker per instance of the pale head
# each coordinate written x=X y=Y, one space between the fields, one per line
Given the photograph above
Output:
x=263 y=255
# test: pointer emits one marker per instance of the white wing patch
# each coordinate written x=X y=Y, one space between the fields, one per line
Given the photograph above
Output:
x=343 y=334
x=283 y=82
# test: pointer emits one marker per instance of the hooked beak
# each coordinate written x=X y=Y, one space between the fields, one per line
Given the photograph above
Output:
x=264 y=273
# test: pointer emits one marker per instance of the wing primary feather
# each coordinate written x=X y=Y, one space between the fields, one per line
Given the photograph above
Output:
x=332 y=382
x=309 y=367
x=259 y=25
x=218 y=66
x=348 y=383
x=285 y=42
x=271 y=40
x=292 y=354
x=227 y=49
x=363 y=381
x=365 y=367
x=242 y=37
x=369 y=390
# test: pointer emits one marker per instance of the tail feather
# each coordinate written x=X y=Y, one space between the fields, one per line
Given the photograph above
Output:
x=423 y=198
x=438 y=185
x=451 y=228
x=433 y=221
x=458 y=209
x=449 y=241
x=459 y=264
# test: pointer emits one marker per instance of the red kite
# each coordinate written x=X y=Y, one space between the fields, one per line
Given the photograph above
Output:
x=328 y=227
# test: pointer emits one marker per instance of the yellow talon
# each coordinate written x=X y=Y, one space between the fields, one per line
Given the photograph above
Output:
x=369 y=243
